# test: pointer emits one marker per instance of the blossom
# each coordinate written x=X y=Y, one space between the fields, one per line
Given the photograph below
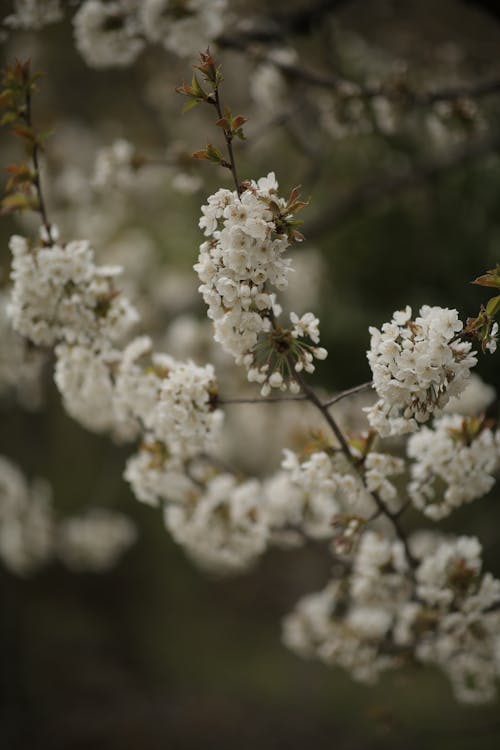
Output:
x=239 y=266
x=473 y=400
x=156 y=477
x=224 y=528
x=417 y=367
x=491 y=341
x=114 y=166
x=321 y=627
x=107 y=34
x=331 y=487
x=453 y=463
x=60 y=294
x=370 y=620
x=26 y=520
x=95 y=540
x=85 y=380
x=182 y=27
x=172 y=400
x=21 y=365
x=34 y=14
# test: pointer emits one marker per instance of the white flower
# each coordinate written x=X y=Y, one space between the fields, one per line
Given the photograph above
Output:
x=491 y=343
x=307 y=325
x=454 y=463
x=224 y=529
x=21 y=365
x=417 y=367
x=172 y=400
x=114 y=166
x=155 y=477
x=26 y=521
x=60 y=294
x=474 y=399
x=94 y=541
x=239 y=266
x=184 y=27
x=107 y=34
x=85 y=380
x=34 y=14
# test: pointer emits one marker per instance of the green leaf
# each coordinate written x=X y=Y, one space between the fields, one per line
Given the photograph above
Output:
x=189 y=105
x=493 y=306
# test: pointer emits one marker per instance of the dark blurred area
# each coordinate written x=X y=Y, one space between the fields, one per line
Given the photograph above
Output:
x=154 y=653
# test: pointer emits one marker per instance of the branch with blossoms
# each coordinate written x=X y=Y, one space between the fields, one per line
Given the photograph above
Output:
x=397 y=595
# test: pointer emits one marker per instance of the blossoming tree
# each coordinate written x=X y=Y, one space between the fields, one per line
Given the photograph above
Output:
x=398 y=593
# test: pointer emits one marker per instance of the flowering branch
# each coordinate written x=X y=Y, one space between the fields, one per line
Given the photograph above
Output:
x=395 y=594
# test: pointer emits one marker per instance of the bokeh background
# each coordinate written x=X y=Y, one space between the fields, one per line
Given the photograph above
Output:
x=404 y=210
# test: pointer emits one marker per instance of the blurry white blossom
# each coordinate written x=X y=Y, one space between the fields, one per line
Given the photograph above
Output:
x=94 y=541
x=453 y=463
x=107 y=34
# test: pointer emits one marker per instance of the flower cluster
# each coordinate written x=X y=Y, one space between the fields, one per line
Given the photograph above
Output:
x=31 y=536
x=349 y=622
x=94 y=541
x=115 y=166
x=107 y=34
x=224 y=529
x=455 y=622
x=182 y=27
x=173 y=402
x=85 y=380
x=417 y=365
x=453 y=463
x=34 y=14
x=60 y=294
x=370 y=621
x=113 y=34
x=330 y=487
x=239 y=266
x=21 y=365
x=26 y=523
x=476 y=397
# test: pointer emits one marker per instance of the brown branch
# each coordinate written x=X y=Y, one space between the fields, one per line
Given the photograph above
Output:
x=393 y=517
x=268 y=400
x=349 y=392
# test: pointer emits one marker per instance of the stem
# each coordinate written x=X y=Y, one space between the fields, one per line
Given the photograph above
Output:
x=229 y=142
x=349 y=392
x=381 y=506
x=36 y=168
x=268 y=400
x=313 y=398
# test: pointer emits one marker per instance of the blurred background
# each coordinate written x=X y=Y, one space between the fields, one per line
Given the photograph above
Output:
x=387 y=112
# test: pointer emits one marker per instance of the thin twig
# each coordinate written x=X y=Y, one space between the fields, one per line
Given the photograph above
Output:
x=349 y=392
x=268 y=400
x=229 y=140
x=381 y=506
x=313 y=398
x=27 y=115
